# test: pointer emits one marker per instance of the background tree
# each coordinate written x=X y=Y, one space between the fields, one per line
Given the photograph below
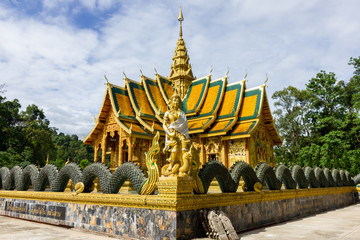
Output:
x=26 y=137
x=320 y=125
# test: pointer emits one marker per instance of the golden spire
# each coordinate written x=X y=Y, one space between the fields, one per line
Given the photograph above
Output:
x=181 y=74
x=180 y=18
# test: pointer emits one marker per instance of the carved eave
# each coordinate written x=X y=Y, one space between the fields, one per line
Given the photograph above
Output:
x=269 y=121
x=196 y=96
x=158 y=103
x=225 y=119
x=263 y=116
x=165 y=86
x=107 y=107
x=248 y=114
x=145 y=114
x=243 y=129
x=100 y=120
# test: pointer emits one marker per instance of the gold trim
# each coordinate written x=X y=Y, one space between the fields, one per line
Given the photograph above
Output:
x=174 y=203
x=148 y=95
x=162 y=90
x=197 y=109
x=88 y=140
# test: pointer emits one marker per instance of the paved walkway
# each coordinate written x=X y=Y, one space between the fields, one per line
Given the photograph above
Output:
x=16 y=229
x=343 y=223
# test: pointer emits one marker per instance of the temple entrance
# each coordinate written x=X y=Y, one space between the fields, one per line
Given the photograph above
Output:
x=212 y=157
x=112 y=149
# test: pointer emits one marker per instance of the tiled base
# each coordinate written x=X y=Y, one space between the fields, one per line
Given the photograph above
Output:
x=166 y=224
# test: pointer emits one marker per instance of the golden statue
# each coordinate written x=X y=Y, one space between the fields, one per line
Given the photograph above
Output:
x=177 y=140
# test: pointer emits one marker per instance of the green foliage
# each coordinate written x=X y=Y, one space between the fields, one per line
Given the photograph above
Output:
x=320 y=125
x=84 y=163
x=27 y=138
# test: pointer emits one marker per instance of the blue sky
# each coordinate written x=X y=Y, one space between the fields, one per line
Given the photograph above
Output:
x=54 y=53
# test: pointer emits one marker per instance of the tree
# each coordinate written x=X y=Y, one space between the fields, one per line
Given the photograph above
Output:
x=320 y=125
x=291 y=104
x=9 y=118
x=38 y=134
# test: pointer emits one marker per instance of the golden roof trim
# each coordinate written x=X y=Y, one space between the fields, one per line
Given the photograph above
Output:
x=208 y=80
x=88 y=139
x=156 y=109
x=162 y=90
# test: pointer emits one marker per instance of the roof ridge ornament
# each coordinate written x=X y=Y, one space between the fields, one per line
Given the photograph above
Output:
x=267 y=78
x=155 y=70
x=124 y=74
x=107 y=81
x=141 y=71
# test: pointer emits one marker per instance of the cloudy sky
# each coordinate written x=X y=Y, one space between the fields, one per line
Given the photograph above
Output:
x=54 y=53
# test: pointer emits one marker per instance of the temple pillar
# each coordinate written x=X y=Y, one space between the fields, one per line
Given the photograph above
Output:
x=247 y=147
x=223 y=154
x=131 y=148
x=202 y=152
x=104 y=148
x=120 y=158
x=96 y=152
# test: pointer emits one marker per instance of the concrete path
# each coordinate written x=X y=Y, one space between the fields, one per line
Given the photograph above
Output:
x=16 y=229
x=343 y=223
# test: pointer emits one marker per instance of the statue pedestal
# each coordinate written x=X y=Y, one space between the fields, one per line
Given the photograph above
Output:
x=172 y=187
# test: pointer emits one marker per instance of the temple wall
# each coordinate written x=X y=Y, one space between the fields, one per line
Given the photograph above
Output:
x=153 y=217
x=237 y=151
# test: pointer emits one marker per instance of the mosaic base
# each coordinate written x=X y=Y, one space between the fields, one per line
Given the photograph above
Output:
x=145 y=223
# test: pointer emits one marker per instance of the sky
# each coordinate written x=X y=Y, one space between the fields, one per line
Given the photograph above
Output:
x=54 y=54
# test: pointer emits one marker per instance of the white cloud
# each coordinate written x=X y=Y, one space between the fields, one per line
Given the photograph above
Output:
x=48 y=60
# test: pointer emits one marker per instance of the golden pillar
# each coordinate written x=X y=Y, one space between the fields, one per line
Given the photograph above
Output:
x=131 y=146
x=223 y=154
x=120 y=158
x=247 y=154
x=202 y=152
x=96 y=152
x=104 y=148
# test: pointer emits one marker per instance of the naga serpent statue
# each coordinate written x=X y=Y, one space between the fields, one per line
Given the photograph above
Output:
x=21 y=179
x=253 y=178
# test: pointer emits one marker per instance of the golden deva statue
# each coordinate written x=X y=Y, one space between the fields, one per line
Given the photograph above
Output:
x=177 y=140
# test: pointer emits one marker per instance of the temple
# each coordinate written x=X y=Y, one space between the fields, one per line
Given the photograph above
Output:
x=227 y=121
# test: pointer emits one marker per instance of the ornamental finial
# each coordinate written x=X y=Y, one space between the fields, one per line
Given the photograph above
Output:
x=267 y=78
x=180 y=18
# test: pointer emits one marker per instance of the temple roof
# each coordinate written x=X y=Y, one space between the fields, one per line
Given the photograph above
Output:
x=213 y=108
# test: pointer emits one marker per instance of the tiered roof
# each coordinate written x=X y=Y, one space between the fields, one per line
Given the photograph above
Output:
x=212 y=107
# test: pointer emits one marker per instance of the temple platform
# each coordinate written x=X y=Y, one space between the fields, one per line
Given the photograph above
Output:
x=338 y=224
x=156 y=216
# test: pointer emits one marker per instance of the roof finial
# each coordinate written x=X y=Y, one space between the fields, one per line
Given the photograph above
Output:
x=155 y=69
x=180 y=18
x=267 y=78
x=141 y=71
x=124 y=73
x=107 y=81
